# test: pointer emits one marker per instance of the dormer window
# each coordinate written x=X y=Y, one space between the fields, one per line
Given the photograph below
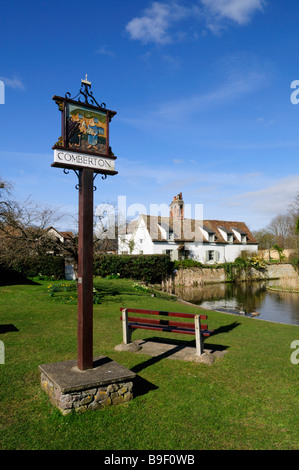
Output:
x=240 y=235
x=226 y=234
x=211 y=237
x=170 y=235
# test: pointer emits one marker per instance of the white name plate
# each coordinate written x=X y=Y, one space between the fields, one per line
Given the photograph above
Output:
x=68 y=158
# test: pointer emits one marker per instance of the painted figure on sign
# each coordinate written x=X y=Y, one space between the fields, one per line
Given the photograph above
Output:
x=92 y=132
x=74 y=132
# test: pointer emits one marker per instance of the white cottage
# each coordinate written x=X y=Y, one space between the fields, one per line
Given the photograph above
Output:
x=207 y=241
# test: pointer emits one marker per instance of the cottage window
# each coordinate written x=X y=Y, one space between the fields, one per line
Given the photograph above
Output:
x=211 y=237
x=230 y=238
x=212 y=255
x=243 y=238
x=170 y=235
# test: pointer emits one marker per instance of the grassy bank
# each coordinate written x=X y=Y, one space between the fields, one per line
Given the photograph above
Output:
x=283 y=289
x=246 y=400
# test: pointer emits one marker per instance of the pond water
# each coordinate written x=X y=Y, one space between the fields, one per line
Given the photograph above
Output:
x=245 y=299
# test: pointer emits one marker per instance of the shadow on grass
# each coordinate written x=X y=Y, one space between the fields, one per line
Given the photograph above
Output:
x=142 y=386
x=12 y=278
x=226 y=328
x=7 y=328
x=157 y=358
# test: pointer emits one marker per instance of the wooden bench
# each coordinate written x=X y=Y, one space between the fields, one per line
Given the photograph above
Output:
x=200 y=331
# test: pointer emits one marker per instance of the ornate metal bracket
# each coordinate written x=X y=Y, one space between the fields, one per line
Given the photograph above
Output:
x=78 y=173
x=87 y=94
x=66 y=172
x=103 y=178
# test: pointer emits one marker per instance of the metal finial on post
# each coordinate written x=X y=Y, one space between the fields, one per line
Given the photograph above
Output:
x=85 y=81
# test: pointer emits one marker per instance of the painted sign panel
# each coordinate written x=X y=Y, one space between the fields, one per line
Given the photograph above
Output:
x=86 y=129
x=69 y=159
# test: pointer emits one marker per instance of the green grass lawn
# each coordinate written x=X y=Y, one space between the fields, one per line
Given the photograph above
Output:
x=246 y=400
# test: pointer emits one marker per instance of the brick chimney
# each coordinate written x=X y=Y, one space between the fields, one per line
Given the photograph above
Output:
x=177 y=207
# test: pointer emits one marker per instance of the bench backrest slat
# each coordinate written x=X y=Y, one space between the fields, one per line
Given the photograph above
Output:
x=162 y=313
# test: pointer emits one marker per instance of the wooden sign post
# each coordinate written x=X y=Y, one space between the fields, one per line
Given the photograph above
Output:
x=84 y=148
x=85 y=271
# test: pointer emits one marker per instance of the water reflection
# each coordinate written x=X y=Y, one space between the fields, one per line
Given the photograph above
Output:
x=245 y=299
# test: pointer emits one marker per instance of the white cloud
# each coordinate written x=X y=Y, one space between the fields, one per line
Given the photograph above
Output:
x=169 y=114
x=188 y=174
x=271 y=200
x=104 y=50
x=14 y=82
x=152 y=27
x=156 y=24
x=240 y=11
x=236 y=86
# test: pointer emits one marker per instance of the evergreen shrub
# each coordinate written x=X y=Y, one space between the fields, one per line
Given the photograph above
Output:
x=46 y=266
x=148 y=268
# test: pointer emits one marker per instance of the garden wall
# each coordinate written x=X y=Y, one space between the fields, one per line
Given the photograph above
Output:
x=287 y=275
x=199 y=276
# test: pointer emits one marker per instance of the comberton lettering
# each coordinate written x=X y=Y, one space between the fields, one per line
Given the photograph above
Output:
x=85 y=160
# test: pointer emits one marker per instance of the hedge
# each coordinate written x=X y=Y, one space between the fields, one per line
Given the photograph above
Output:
x=48 y=266
x=149 y=268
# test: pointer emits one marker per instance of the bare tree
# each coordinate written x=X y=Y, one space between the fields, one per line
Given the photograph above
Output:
x=23 y=228
x=282 y=229
x=109 y=223
x=294 y=213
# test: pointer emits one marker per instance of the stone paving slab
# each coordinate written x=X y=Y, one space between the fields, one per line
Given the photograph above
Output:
x=68 y=378
x=171 y=351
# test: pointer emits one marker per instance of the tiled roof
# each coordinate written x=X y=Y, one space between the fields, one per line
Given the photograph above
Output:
x=188 y=230
x=67 y=234
x=241 y=227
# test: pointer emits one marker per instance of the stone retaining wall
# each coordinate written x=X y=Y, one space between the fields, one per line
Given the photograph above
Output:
x=192 y=277
x=287 y=275
x=90 y=399
x=70 y=389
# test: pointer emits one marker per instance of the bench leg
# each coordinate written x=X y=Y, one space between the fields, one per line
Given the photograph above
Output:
x=127 y=331
x=198 y=336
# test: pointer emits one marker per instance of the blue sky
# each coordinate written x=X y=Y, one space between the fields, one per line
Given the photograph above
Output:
x=202 y=92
